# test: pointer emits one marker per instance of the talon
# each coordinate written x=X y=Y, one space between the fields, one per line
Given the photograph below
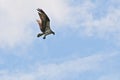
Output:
x=44 y=37
x=39 y=35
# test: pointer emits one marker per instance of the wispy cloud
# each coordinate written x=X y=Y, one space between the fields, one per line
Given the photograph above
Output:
x=86 y=18
x=17 y=17
x=95 y=20
x=92 y=19
x=54 y=71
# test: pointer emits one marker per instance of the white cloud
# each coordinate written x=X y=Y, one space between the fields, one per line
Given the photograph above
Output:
x=84 y=17
x=107 y=25
x=13 y=27
x=16 y=17
x=90 y=20
x=54 y=71
x=79 y=65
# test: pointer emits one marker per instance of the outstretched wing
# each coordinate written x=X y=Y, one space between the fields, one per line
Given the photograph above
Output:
x=44 y=14
x=45 y=21
x=41 y=22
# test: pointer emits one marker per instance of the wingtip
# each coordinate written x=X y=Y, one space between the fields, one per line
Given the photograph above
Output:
x=38 y=9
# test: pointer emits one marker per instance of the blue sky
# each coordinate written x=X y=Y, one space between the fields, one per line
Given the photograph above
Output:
x=85 y=47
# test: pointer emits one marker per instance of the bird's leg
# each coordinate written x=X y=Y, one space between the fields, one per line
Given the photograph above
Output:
x=40 y=34
x=47 y=33
x=44 y=37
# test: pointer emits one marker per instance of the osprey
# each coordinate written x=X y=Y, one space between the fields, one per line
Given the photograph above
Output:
x=44 y=24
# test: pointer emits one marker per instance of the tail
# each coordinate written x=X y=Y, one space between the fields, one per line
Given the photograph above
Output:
x=40 y=34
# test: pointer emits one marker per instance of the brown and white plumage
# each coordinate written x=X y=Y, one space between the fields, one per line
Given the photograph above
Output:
x=44 y=24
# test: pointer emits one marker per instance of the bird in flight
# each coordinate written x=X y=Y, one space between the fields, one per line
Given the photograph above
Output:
x=44 y=24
